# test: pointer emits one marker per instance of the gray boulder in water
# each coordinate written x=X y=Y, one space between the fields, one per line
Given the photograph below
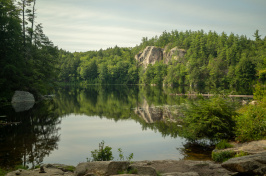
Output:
x=22 y=101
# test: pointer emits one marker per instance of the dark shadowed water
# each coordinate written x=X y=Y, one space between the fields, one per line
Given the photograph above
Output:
x=65 y=128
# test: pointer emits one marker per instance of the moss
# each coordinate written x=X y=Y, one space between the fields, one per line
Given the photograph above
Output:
x=70 y=168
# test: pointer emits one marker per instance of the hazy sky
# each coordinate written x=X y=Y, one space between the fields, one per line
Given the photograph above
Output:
x=82 y=25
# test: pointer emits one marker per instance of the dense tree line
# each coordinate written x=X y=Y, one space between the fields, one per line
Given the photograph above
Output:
x=27 y=55
x=111 y=66
x=215 y=60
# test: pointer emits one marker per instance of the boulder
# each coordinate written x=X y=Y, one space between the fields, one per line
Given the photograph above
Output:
x=251 y=164
x=143 y=170
x=22 y=101
x=101 y=168
x=150 y=55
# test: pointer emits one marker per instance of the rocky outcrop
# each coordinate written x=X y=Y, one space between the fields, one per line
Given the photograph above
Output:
x=175 y=53
x=101 y=168
x=47 y=170
x=22 y=101
x=251 y=164
x=152 y=168
x=185 y=168
x=253 y=147
x=150 y=55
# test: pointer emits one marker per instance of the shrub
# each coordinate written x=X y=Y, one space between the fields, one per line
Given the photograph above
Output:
x=121 y=156
x=222 y=156
x=103 y=154
x=223 y=144
x=251 y=125
x=209 y=118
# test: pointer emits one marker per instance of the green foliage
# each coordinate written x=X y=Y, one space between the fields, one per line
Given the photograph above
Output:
x=129 y=171
x=251 y=124
x=209 y=118
x=222 y=156
x=3 y=172
x=103 y=154
x=259 y=92
x=223 y=144
x=158 y=173
x=28 y=59
x=211 y=59
x=241 y=153
x=121 y=156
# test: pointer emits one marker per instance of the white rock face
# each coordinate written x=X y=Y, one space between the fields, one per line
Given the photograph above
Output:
x=150 y=55
x=153 y=54
x=22 y=101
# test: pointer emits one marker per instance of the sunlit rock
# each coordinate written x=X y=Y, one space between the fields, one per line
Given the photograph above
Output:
x=150 y=55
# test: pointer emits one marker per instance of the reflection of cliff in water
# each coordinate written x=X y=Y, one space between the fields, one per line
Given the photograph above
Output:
x=151 y=113
x=35 y=137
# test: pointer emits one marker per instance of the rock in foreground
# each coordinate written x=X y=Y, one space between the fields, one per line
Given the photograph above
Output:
x=251 y=164
x=101 y=168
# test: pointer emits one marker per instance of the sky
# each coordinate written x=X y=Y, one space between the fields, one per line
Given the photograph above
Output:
x=84 y=25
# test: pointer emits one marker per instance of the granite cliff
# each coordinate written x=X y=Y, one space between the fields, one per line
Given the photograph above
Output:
x=153 y=54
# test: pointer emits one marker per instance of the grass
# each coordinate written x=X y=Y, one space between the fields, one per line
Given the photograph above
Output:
x=70 y=168
x=4 y=171
x=241 y=153
x=223 y=144
x=129 y=171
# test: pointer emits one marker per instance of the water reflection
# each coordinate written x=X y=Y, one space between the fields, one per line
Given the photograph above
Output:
x=135 y=118
x=28 y=142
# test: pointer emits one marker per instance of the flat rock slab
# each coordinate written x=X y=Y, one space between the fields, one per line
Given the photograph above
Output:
x=186 y=167
x=253 y=147
x=251 y=164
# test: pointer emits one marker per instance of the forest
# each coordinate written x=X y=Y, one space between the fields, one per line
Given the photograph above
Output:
x=31 y=62
x=213 y=60
x=28 y=57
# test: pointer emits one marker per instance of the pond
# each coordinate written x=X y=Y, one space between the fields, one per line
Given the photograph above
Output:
x=67 y=127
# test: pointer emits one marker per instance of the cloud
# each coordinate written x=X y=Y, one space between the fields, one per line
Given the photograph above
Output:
x=95 y=24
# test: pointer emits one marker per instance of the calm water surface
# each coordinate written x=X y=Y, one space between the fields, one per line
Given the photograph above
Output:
x=65 y=128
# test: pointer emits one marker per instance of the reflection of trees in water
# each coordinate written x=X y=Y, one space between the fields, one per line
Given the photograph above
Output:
x=195 y=151
x=31 y=140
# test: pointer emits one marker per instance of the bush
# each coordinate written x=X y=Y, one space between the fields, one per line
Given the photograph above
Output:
x=222 y=156
x=209 y=118
x=223 y=144
x=251 y=124
x=103 y=154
